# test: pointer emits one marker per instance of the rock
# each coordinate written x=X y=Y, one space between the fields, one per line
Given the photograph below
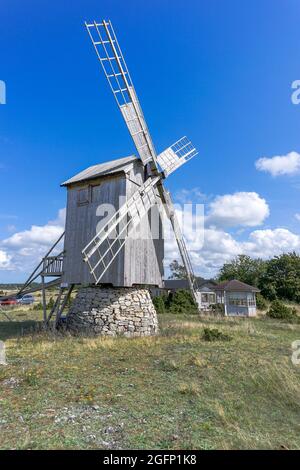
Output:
x=110 y=311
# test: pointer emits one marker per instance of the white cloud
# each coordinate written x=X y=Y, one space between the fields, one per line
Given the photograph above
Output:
x=241 y=208
x=220 y=247
x=4 y=260
x=266 y=243
x=280 y=165
x=297 y=216
x=23 y=250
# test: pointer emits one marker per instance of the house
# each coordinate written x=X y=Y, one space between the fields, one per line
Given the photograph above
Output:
x=204 y=290
x=238 y=298
x=206 y=295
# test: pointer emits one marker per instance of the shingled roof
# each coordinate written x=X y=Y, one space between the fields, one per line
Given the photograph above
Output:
x=107 y=168
x=235 y=286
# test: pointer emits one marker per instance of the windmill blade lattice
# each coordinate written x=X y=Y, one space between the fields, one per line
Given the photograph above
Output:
x=176 y=155
x=114 y=66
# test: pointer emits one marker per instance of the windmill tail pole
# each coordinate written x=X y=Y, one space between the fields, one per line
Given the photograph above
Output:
x=171 y=214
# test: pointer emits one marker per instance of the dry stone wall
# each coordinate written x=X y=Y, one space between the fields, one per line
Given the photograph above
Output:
x=113 y=311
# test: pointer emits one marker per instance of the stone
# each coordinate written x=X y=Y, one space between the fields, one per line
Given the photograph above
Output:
x=127 y=311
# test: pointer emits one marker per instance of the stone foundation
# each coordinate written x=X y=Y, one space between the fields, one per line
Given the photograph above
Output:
x=113 y=311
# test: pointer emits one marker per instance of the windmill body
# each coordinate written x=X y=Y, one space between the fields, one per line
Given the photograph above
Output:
x=92 y=196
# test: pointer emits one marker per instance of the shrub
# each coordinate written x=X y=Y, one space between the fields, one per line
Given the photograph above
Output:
x=261 y=302
x=218 y=309
x=280 y=311
x=159 y=304
x=182 y=302
x=213 y=334
x=37 y=306
x=50 y=304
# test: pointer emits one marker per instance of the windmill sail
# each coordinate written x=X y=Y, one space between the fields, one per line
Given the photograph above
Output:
x=171 y=214
x=103 y=248
x=114 y=66
x=176 y=155
x=108 y=242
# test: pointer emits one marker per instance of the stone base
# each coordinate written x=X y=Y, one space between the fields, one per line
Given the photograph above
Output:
x=127 y=311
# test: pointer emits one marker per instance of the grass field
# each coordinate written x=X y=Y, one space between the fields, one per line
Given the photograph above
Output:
x=169 y=392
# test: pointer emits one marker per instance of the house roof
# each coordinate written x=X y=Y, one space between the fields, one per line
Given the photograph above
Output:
x=183 y=283
x=107 y=168
x=235 y=286
x=176 y=284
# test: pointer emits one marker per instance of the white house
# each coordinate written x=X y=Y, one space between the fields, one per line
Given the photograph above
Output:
x=238 y=298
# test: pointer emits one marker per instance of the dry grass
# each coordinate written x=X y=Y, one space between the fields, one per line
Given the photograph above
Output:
x=172 y=391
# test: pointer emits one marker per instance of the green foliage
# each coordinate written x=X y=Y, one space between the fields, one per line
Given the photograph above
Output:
x=281 y=311
x=282 y=278
x=50 y=304
x=243 y=268
x=159 y=304
x=218 y=309
x=261 y=302
x=38 y=306
x=177 y=270
x=213 y=334
x=277 y=278
x=182 y=302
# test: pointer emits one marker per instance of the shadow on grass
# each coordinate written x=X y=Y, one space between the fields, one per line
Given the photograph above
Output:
x=14 y=329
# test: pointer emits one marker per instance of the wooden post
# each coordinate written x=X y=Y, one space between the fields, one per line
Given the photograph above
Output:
x=44 y=300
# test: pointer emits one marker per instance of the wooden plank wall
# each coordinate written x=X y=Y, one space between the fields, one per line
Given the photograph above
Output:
x=139 y=262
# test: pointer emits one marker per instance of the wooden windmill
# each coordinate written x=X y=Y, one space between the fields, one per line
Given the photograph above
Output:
x=101 y=251
x=108 y=254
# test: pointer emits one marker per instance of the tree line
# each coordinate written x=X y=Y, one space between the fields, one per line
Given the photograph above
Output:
x=277 y=277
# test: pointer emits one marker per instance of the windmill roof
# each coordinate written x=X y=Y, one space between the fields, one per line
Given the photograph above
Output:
x=107 y=168
x=235 y=286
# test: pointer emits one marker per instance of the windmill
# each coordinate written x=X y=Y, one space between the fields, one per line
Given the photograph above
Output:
x=107 y=256
x=157 y=167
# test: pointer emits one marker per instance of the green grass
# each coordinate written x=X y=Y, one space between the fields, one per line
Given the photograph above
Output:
x=172 y=391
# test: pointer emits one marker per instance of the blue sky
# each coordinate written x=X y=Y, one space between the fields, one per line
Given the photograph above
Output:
x=219 y=71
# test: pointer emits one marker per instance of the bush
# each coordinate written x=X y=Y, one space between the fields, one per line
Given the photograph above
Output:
x=261 y=302
x=280 y=311
x=213 y=334
x=182 y=302
x=50 y=304
x=218 y=309
x=159 y=304
x=38 y=306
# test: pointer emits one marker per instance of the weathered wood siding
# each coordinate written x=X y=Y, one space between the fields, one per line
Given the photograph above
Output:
x=139 y=262
x=81 y=223
x=143 y=254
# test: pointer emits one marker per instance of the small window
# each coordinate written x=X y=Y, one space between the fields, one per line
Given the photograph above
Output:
x=82 y=196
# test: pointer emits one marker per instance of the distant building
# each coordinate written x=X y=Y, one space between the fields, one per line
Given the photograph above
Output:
x=237 y=297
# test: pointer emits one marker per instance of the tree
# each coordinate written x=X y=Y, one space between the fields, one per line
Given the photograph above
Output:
x=245 y=269
x=177 y=270
x=281 y=278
